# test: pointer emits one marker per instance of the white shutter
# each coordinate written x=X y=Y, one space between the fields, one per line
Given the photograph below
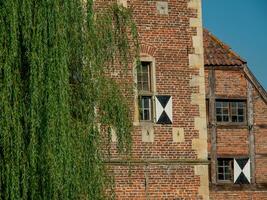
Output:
x=242 y=171
x=163 y=109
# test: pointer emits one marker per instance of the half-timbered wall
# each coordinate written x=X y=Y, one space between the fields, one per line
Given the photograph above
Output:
x=236 y=140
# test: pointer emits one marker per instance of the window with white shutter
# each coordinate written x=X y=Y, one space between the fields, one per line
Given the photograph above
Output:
x=163 y=109
x=233 y=170
x=242 y=171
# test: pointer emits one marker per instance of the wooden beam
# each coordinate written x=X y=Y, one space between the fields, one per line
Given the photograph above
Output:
x=213 y=153
x=255 y=83
x=250 y=112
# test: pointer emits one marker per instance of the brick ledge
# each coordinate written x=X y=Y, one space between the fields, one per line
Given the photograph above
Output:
x=158 y=162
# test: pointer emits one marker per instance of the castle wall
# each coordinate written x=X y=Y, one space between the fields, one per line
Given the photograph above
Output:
x=169 y=161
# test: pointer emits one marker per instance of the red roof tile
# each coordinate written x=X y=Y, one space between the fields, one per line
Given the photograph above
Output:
x=216 y=53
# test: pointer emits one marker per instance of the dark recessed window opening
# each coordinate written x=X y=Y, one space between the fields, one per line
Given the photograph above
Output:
x=145 y=91
x=230 y=111
x=225 y=169
x=143 y=77
x=145 y=105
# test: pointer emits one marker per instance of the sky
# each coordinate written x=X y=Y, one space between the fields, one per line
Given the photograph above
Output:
x=242 y=25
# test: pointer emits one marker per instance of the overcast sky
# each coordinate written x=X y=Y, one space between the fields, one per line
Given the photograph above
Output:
x=242 y=25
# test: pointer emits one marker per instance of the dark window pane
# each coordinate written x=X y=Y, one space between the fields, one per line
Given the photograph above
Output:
x=139 y=85
x=139 y=69
x=241 y=104
x=146 y=115
x=146 y=102
x=145 y=67
x=218 y=111
x=225 y=104
x=233 y=104
x=240 y=119
x=220 y=169
x=219 y=118
x=227 y=168
x=220 y=177
x=234 y=111
x=225 y=111
x=145 y=77
x=225 y=118
x=234 y=118
x=227 y=177
x=145 y=86
x=240 y=112
x=218 y=104
x=220 y=162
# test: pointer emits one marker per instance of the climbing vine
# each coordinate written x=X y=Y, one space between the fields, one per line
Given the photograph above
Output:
x=55 y=94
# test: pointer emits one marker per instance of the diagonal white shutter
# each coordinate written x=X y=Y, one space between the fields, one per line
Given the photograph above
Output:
x=163 y=109
x=242 y=171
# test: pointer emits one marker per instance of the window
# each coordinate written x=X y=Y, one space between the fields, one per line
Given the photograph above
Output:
x=145 y=92
x=143 y=77
x=234 y=170
x=145 y=106
x=237 y=111
x=225 y=169
x=230 y=111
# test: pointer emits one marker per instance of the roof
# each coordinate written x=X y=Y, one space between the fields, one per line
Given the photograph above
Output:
x=216 y=53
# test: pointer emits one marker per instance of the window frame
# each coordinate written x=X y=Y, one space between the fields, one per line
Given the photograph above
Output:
x=146 y=93
x=142 y=107
x=142 y=90
x=230 y=111
x=231 y=170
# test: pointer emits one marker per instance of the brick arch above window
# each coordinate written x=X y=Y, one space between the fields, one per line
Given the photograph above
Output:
x=147 y=49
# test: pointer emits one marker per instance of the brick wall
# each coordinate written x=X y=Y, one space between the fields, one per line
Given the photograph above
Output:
x=238 y=195
x=261 y=171
x=233 y=140
x=261 y=140
x=156 y=182
x=260 y=110
x=165 y=166
x=230 y=83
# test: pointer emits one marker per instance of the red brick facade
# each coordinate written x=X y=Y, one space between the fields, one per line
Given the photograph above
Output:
x=170 y=161
x=233 y=81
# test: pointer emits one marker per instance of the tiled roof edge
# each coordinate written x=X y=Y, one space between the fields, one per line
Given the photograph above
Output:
x=255 y=82
x=225 y=46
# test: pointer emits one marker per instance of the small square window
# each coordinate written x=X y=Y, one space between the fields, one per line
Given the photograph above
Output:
x=145 y=105
x=238 y=111
x=225 y=169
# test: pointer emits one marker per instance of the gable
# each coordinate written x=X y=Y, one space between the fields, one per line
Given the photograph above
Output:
x=216 y=53
x=219 y=55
